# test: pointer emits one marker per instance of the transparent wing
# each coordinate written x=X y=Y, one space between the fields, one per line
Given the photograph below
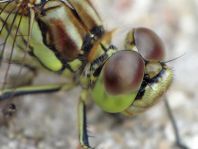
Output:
x=86 y=13
x=16 y=21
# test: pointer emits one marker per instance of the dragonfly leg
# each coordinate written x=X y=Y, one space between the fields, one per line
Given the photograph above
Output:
x=82 y=122
x=174 y=125
x=7 y=94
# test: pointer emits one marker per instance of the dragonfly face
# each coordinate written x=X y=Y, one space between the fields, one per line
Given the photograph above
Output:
x=133 y=79
x=69 y=36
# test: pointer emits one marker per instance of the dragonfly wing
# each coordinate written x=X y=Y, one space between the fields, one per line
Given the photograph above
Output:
x=86 y=13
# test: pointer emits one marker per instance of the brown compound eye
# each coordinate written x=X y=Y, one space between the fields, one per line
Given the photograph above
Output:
x=123 y=72
x=149 y=45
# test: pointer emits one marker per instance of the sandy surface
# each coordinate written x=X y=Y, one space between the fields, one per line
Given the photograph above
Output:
x=49 y=121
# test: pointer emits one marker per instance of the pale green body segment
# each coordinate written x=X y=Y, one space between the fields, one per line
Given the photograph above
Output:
x=37 y=47
x=43 y=53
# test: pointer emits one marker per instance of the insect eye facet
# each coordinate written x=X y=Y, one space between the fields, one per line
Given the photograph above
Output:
x=149 y=45
x=123 y=72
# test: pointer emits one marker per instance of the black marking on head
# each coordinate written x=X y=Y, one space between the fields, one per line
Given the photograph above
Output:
x=149 y=81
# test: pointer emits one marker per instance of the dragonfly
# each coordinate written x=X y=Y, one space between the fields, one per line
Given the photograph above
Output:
x=67 y=37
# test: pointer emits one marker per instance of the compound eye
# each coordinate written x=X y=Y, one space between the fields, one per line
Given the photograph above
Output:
x=149 y=45
x=123 y=72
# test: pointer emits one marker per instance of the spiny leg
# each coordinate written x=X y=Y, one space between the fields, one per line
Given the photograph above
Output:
x=174 y=125
x=82 y=121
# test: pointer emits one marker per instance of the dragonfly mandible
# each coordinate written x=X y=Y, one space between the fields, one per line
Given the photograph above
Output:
x=68 y=38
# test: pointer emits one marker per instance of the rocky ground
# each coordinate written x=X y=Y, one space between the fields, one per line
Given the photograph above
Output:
x=49 y=121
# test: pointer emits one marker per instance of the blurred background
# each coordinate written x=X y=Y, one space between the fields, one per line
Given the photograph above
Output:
x=49 y=121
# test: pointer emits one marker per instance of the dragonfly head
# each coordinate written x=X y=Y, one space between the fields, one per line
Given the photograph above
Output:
x=130 y=74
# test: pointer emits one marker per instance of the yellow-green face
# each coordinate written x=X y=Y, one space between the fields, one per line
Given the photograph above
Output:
x=132 y=81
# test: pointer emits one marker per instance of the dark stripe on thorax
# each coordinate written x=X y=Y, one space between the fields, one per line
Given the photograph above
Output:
x=89 y=40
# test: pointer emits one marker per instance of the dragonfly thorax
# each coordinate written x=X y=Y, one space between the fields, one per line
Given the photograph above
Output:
x=65 y=33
